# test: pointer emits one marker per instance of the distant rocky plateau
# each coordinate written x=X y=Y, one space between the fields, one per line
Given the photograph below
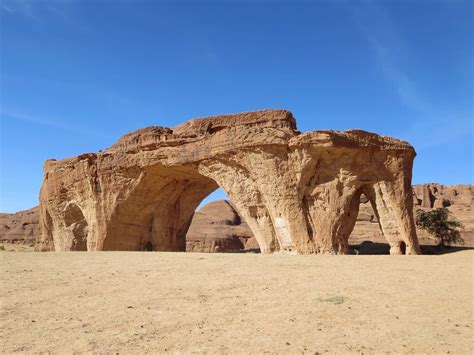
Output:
x=218 y=227
x=20 y=227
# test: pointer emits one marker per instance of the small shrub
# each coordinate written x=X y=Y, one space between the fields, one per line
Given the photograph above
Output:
x=332 y=299
x=438 y=224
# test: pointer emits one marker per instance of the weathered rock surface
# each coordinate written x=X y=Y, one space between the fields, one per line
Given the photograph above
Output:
x=20 y=227
x=218 y=227
x=298 y=192
x=459 y=200
x=435 y=195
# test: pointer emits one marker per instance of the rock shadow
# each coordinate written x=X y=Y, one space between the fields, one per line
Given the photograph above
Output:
x=374 y=248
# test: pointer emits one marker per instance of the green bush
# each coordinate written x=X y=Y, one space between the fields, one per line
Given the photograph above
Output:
x=438 y=224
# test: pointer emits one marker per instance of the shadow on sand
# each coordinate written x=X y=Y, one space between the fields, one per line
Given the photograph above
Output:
x=243 y=251
x=371 y=248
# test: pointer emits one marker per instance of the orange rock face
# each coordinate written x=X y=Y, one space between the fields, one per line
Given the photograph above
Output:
x=297 y=192
x=21 y=227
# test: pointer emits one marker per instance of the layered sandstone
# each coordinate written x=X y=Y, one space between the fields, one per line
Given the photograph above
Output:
x=298 y=192
x=21 y=227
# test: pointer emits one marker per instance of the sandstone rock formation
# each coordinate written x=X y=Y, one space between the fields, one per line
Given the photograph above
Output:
x=298 y=192
x=218 y=227
x=459 y=200
x=21 y=227
x=436 y=195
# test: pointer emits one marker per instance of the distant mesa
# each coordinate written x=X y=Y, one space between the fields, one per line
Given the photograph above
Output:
x=218 y=227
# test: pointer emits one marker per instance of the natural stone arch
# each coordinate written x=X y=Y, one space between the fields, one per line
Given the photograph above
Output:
x=345 y=224
x=394 y=214
x=295 y=191
x=332 y=172
x=246 y=198
x=158 y=209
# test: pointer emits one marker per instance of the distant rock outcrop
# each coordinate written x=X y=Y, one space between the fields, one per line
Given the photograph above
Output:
x=218 y=227
x=20 y=227
x=435 y=195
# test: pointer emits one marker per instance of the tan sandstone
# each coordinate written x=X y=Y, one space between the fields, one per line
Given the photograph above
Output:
x=298 y=192
x=218 y=227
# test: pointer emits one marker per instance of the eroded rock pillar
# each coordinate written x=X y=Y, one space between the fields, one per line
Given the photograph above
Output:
x=173 y=215
x=234 y=180
x=332 y=210
x=263 y=188
x=393 y=204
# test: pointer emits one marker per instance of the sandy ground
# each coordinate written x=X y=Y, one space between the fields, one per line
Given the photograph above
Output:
x=124 y=302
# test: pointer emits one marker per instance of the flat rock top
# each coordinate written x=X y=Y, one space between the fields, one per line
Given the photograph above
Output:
x=261 y=117
x=350 y=138
x=204 y=127
x=203 y=138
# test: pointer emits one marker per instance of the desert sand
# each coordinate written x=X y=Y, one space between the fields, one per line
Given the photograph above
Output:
x=135 y=302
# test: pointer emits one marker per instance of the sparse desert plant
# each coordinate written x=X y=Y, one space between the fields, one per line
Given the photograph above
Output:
x=437 y=222
x=332 y=299
x=2 y=247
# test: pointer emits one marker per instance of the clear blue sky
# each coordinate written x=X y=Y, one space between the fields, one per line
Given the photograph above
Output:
x=76 y=75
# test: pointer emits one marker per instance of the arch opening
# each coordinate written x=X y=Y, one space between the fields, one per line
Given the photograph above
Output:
x=367 y=236
x=157 y=214
x=77 y=226
x=217 y=226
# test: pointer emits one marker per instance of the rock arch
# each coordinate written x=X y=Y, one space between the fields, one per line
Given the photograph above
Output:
x=157 y=208
x=296 y=191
